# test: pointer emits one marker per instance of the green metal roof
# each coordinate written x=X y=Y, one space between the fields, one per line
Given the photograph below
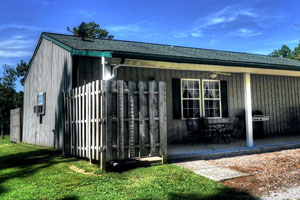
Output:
x=139 y=50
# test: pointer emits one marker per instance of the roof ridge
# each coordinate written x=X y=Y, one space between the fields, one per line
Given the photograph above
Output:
x=279 y=60
x=169 y=45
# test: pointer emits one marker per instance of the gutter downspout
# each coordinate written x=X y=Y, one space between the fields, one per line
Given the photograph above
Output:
x=115 y=68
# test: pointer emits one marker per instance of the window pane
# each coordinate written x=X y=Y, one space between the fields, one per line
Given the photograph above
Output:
x=190 y=104
x=196 y=85
x=206 y=94
x=190 y=93
x=184 y=94
x=205 y=85
x=196 y=104
x=185 y=113
x=213 y=85
x=185 y=104
x=217 y=113
x=212 y=104
x=190 y=84
x=196 y=113
x=196 y=94
x=184 y=84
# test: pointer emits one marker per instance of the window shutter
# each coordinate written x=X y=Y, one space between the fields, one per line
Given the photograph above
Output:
x=224 y=99
x=176 y=98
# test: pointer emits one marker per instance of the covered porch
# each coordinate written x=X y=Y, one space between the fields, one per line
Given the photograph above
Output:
x=180 y=152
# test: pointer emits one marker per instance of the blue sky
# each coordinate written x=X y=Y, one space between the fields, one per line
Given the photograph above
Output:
x=256 y=26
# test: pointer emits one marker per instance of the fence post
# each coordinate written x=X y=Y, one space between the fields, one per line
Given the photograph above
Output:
x=142 y=108
x=103 y=110
x=131 y=151
x=163 y=120
x=152 y=124
x=120 y=85
x=108 y=121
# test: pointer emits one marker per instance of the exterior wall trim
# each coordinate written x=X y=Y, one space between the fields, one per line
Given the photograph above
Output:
x=208 y=68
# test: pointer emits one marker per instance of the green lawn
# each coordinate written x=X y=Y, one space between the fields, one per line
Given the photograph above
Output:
x=33 y=172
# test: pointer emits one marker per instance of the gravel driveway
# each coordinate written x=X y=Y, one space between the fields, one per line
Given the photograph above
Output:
x=274 y=175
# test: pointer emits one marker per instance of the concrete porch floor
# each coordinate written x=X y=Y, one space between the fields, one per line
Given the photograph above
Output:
x=188 y=152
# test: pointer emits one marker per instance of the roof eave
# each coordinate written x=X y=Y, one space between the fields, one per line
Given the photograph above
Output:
x=203 y=61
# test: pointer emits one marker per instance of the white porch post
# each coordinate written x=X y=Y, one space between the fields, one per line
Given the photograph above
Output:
x=248 y=109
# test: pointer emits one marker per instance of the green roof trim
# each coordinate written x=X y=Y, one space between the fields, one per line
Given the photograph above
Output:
x=91 y=53
x=170 y=53
x=62 y=45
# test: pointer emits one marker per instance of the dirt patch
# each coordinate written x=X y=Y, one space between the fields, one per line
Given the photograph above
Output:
x=270 y=172
x=82 y=171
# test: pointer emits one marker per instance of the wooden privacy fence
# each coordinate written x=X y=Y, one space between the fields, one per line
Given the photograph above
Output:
x=116 y=120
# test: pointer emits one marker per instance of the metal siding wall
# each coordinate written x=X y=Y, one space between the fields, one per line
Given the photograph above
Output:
x=89 y=69
x=177 y=128
x=50 y=72
x=277 y=97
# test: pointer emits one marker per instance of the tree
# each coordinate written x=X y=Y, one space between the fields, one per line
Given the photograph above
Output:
x=93 y=30
x=9 y=98
x=21 y=70
x=284 y=52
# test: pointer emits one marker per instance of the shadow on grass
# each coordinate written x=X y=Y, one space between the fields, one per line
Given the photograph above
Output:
x=28 y=163
x=221 y=194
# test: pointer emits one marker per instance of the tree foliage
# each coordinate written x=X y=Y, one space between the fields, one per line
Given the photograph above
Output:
x=93 y=30
x=286 y=52
x=21 y=71
x=9 y=98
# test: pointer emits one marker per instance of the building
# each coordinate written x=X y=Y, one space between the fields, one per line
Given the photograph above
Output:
x=219 y=86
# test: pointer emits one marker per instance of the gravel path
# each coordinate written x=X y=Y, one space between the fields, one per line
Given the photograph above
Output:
x=270 y=173
x=291 y=194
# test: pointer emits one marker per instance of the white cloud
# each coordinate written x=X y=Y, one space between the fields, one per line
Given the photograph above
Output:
x=248 y=22
x=14 y=54
x=180 y=34
x=197 y=33
x=244 y=32
x=15 y=47
x=22 y=27
x=262 y=51
x=125 y=28
x=226 y=15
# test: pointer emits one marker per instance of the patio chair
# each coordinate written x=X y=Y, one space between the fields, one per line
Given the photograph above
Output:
x=191 y=128
x=205 y=133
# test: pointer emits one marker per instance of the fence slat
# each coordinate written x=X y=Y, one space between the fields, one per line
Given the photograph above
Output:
x=93 y=110
x=120 y=104
x=79 y=122
x=98 y=112
x=76 y=123
x=103 y=116
x=73 y=124
x=88 y=121
x=151 y=106
x=162 y=120
x=108 y=121
x=131 y=120
x=142 y=107
x=70 y=121
x=66 y=111
x=84 y=122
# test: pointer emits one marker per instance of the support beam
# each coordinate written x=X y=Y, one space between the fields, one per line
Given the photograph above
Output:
x=248 y=109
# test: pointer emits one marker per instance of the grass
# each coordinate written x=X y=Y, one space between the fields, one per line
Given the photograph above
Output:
x=33 y=172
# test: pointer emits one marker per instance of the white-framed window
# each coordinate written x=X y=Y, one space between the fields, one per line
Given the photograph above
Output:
x=211 y=95
x=190 y=98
